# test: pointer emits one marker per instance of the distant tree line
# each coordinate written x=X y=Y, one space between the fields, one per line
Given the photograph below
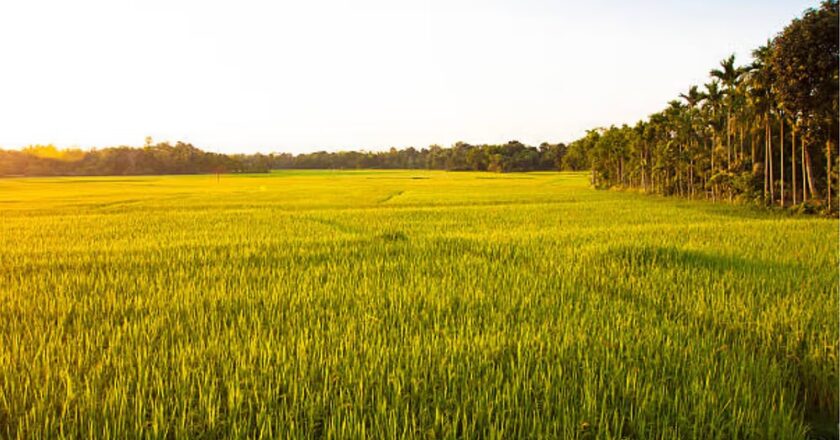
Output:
x=764 y=132
x=183 y=158
x=162 y=158
x=512 y=156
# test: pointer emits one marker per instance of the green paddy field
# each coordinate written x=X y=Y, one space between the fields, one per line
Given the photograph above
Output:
x=408 y=304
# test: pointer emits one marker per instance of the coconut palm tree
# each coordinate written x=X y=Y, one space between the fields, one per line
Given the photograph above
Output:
x=642 y=150
x=712 y=109
x=729 y=75
x=762 y=102
x=692 y=99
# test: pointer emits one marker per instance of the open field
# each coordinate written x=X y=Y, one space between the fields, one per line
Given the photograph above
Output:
x=403 y=304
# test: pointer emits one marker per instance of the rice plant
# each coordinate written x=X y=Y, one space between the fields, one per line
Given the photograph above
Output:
x=408 y=304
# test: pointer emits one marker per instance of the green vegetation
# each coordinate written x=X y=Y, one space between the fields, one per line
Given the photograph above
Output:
x=408 y=304
x=160 y=158
x=181 y=158
x=765 y=132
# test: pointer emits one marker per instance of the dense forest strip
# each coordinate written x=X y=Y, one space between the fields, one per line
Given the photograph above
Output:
x=751 y=133
x=183 y=158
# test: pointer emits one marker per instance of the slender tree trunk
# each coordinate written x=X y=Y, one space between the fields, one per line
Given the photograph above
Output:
x=642 y=159
x=621 y=170
x=691 y=179
x=770 y=160
x=706 y=174
x=752 y=151
x=712 y=152
x=810 y=171
x=828 y=172
x=793 y=160
x=781 y=160
x=802 y=163
x=678 y=179
x=766 y=164
x=715 y=166
x=728 y=140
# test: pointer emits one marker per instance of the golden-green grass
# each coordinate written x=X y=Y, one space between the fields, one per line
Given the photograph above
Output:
x=408 y=304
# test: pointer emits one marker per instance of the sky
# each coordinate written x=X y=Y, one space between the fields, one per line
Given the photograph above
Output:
x=299 y=76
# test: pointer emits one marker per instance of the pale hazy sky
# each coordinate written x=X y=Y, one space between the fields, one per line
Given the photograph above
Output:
x=246 y=76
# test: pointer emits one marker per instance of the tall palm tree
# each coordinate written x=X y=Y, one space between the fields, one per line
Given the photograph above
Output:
x=692 y=99
x=741 y=115
x=761 y=99
x=642 y=149
x=657 y=135
x=729 y=75
x=712 y=105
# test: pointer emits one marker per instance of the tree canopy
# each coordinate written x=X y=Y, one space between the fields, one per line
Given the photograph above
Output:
x=765 y=131
x=183 y=158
